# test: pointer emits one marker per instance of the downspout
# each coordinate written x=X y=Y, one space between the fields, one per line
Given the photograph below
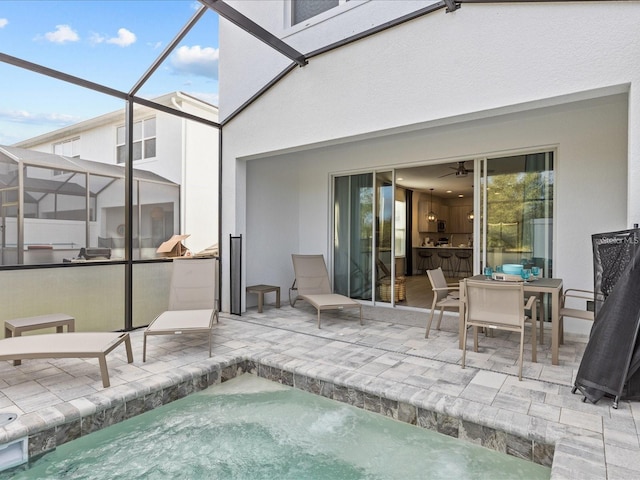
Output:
x=20 y=244
x=220 y=244
x=87 y=203
x=183 y=172
x=128 y=219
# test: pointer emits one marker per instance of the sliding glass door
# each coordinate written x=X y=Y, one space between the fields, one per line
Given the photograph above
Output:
x=375 y=232
x=369 y=232
x=384 y=247
x=353 y=235
x=517 y=211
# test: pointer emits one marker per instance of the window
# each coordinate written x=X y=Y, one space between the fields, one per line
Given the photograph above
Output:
x=144 y=140
x=519 y=211
x=302 y=10
x=69 y=148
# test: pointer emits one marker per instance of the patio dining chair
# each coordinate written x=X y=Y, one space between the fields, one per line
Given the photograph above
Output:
x=570 y=306
x=500 y=306
x=444 y=296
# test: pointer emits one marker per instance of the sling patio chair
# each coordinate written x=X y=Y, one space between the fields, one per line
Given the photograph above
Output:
x=500 y=306
x=67 y=345
x=575 y=304
x=444 y=296
x=192 y=302
x=312 y=283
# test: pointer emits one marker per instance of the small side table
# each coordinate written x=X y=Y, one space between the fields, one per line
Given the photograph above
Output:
x=261 y=290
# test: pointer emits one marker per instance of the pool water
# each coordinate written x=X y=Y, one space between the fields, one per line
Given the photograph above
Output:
x=251 y=428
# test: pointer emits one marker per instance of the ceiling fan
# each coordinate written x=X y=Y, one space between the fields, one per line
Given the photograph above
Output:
x=460 y=171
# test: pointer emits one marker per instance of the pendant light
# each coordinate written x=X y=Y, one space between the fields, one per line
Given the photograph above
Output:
x=431 y=216
x=470 y=216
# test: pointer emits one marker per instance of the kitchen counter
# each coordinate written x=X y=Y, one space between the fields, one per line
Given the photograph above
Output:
x=453 y=266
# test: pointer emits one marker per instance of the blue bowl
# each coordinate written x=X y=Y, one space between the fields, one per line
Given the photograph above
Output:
x=512 y=268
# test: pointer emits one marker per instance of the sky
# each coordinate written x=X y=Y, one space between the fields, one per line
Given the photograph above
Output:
x=110 y=42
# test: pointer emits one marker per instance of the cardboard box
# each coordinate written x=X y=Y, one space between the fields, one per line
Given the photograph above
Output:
x=173 y=247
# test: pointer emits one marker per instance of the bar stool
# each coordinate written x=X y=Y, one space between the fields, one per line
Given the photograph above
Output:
x=463 y=263
x=425 y=260
x=446 y=262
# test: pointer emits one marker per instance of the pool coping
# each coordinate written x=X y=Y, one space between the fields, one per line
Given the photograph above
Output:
x=571 y=452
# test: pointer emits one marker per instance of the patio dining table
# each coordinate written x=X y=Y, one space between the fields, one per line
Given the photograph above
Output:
x=552 y=286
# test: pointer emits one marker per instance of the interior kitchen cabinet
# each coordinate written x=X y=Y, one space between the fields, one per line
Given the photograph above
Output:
x=458 y=220
x=424 y=225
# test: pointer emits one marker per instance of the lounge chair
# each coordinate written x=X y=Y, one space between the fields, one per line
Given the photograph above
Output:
x=67 y=345
x=312 y=283
x=192 y=304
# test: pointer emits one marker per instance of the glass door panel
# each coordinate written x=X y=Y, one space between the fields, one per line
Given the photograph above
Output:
x=385 y=241
x=353 y=235
x=517 y=206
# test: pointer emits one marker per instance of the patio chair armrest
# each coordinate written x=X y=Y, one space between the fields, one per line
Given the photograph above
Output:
x=450 y=289
x=578 y=291
x=580 y=294
x=531 y=301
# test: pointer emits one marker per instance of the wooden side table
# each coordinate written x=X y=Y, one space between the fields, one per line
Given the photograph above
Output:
x=261 y=290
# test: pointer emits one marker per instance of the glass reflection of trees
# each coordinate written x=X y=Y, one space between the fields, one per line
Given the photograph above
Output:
x=514 y=199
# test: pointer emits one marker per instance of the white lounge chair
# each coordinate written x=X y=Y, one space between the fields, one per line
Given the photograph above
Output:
x=67 y=345
x=192 y=301
x=312 y=283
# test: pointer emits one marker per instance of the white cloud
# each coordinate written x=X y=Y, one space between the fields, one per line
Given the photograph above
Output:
x=196 y=61
x=62 y=34
x=24 y=116
x=96 y=38
x=3 y=22
x=124 y=38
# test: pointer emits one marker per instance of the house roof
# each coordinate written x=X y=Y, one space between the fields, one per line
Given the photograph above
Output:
x=171 y=99
x=59 y=162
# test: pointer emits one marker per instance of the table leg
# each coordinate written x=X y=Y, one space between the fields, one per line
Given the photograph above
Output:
x=461 y=319
x=260 y=301
x=278 y=297
x=18 y=333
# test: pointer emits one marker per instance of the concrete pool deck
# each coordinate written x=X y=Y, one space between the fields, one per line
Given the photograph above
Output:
x=387 y=358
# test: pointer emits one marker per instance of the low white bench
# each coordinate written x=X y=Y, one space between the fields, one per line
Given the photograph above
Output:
x=15 y=327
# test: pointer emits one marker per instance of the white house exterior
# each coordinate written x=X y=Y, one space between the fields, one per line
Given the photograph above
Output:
x=181 y=151
x=484 y=81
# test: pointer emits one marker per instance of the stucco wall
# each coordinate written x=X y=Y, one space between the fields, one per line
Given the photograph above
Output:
x=484 y=80
x=288 y=200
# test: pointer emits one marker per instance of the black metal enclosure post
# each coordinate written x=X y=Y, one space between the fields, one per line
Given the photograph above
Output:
x=235 y=274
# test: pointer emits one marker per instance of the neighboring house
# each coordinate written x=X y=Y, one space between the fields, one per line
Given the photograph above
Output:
x=547 y=91
x=178 y=196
